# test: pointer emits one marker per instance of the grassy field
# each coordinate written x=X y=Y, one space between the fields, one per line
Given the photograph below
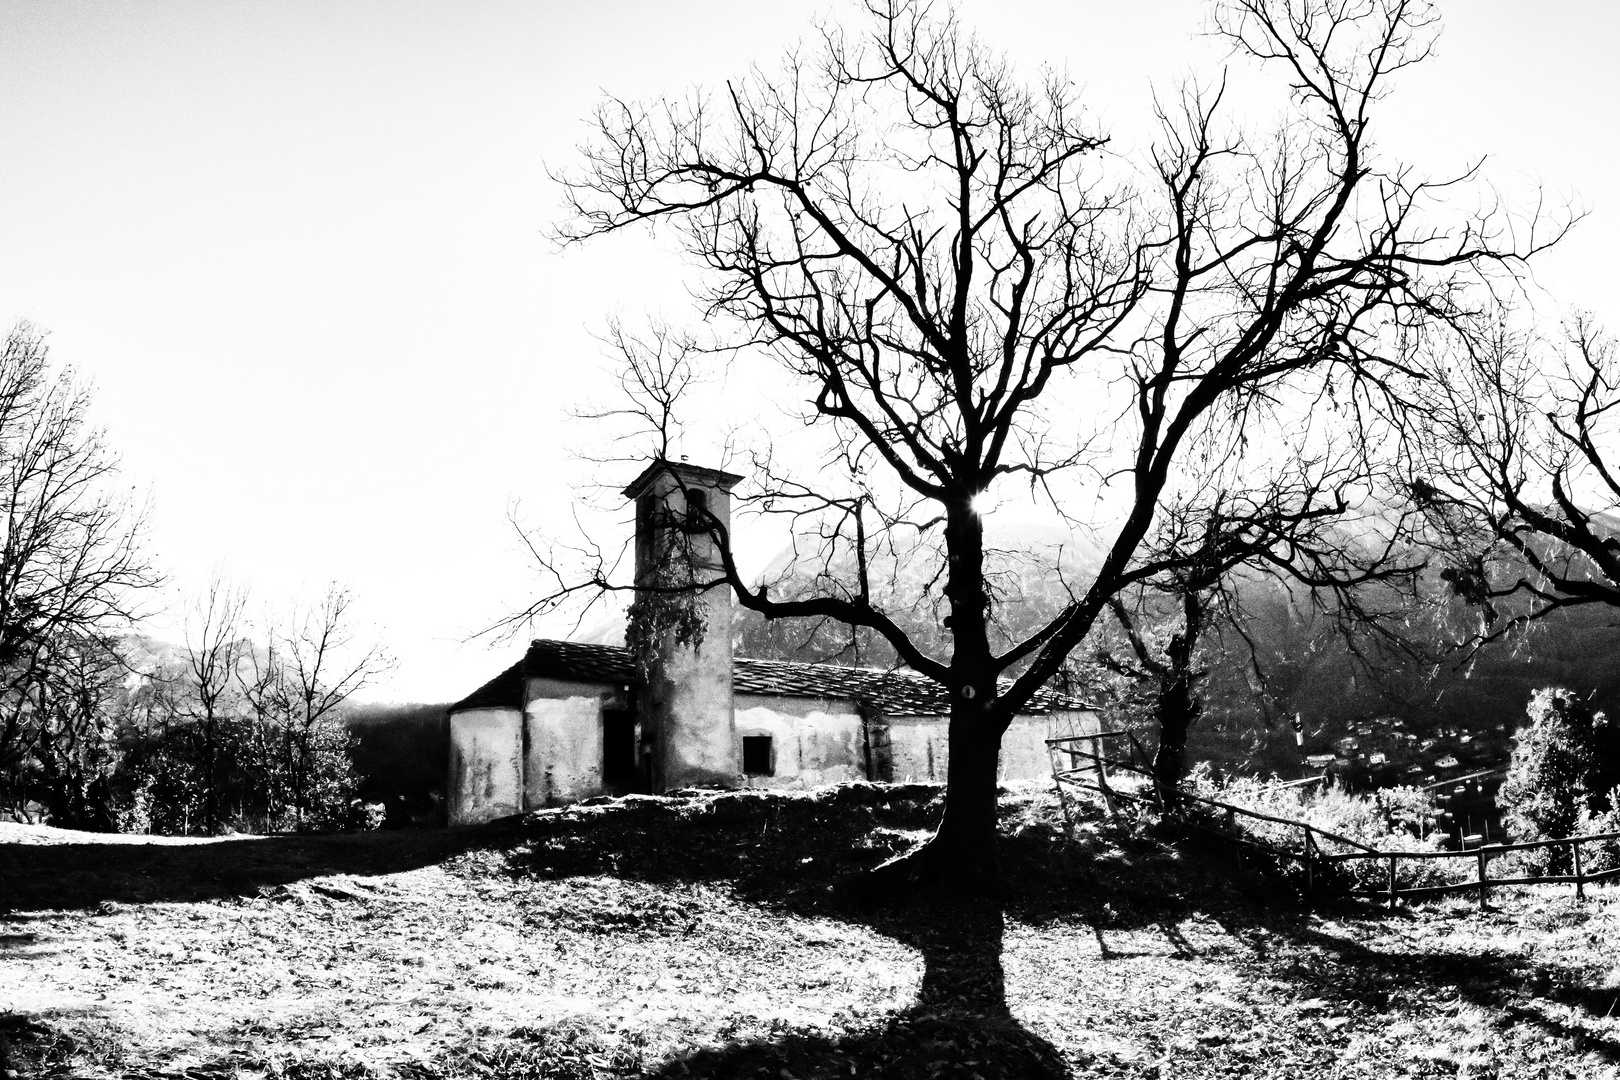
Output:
x=700 y=937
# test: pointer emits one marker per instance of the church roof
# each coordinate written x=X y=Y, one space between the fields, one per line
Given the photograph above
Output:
x=686 y=474
x=895 y=693
x=504 y=691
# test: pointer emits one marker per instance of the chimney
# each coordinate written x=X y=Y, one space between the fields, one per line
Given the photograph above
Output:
x=685 y=707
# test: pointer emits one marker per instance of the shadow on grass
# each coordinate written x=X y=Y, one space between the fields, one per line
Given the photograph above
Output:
x=1520 y=990
x=1355 y=976
x=37 y=877
x=958 y=1026
x=786 y=853
x=789 y=854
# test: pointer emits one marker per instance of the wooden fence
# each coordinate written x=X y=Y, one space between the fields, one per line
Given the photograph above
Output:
x=1315 y=859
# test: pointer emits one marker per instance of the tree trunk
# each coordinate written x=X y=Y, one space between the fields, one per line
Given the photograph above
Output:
x=966 y=840
x=967 y=833
x=1178 y=705
x=961 y=855
x=1177 y=711
x=210 y=824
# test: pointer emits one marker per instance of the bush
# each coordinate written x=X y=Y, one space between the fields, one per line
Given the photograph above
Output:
x=1605 y=854
x=1552 y=758
x=1389 y=819
x=1560 y=778
x=266 y=776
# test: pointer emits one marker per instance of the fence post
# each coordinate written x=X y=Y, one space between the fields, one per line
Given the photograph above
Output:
x=1580 y=882
x=1392 y=894
x=1097 y=757
x=1052 y=753
x=1310 y=873
x=1483 y=888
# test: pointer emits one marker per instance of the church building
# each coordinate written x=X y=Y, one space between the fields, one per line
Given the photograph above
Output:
x=572 y=721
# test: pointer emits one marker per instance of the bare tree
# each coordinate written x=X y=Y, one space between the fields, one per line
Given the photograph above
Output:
x=73 y=701
x=660 y=368
x=258 y=709
x=247 y=727
x=265 y=750
x=1360 y=572
x=1516 y=470
x=72 y=565
x=321 y=664
x=936 y=256
x=217 y=648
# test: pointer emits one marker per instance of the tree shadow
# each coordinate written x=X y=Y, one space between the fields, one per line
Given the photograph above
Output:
x=788 y=854
x=1360 y=977
x=959 y=1025
x=1517 y=988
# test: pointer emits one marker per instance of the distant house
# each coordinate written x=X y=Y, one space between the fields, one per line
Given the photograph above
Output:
x=572 y=721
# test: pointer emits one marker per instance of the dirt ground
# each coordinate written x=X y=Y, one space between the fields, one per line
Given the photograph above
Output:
x=700 y=936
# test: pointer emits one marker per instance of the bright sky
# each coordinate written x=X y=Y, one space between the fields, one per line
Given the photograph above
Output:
x=299 y=249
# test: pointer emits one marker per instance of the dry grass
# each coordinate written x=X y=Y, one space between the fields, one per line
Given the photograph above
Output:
x=699 y=937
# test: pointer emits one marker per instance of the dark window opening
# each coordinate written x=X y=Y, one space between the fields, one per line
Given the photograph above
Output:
x=619 y=766
x=757 y=755
x=697 y=508
x=646 y=525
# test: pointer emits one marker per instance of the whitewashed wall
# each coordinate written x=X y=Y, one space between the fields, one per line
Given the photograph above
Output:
x=919 y=745
x=814 y=741
x=496 y=771
x=563 y=760
x=486 y=767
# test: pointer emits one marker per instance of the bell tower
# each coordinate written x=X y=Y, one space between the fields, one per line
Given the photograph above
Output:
x=688 y=730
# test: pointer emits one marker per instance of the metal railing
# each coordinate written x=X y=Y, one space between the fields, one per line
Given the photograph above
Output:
x=1316 y=861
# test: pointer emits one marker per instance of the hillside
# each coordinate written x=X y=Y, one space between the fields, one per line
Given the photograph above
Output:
x=1423 y=707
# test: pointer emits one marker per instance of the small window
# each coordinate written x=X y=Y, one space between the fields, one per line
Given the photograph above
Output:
x=697 y=507
x=646 y=517
x=757 y=755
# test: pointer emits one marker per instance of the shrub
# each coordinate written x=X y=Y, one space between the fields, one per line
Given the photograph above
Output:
x=267 y=776
x=1559 y=779
x=1390 y=819
x=1604 y=854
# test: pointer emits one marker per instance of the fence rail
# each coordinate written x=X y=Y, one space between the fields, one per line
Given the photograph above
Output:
x=1311 y=853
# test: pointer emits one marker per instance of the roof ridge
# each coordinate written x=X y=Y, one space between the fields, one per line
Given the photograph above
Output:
x=899 y=690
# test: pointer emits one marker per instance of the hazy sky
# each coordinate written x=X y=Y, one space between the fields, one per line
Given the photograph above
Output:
x=299 y=247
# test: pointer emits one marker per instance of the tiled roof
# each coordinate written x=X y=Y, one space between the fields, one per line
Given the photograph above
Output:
x=896 y=693
x=579 y=662
x=503 y=691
